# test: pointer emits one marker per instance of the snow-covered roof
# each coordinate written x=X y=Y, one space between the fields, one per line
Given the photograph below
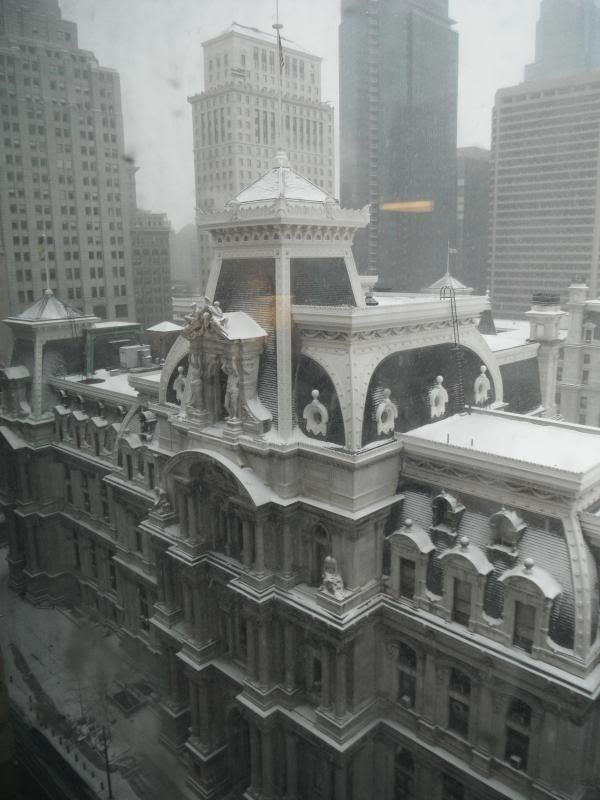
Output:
x=102 y=379
x=49 y=307
x=548 y=443
x=165 y=327
x=282 y=182
x=113 y=323
x=239 y=325
x=447 y=281
x=546 y=583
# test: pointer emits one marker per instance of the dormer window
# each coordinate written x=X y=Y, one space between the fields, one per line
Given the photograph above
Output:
x=524 y=628
x=446 y=513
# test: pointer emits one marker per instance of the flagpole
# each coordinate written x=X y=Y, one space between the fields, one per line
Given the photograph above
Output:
x=277 y=27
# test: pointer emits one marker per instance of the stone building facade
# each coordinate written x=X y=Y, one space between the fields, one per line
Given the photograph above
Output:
x=344 y=585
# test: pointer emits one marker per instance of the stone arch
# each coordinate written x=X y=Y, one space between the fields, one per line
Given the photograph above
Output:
x=310 y=375
x=410 y=374
x=246 y=480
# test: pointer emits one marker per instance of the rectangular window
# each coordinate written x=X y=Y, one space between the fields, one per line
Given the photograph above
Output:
x=517 y=748
x=461 y=610
x=129 y=460
x=407 y=578
x=452 y=789
x=93 y=560
x=112 y=572
x=144 y=609
x=76 y=551
x=524 y=626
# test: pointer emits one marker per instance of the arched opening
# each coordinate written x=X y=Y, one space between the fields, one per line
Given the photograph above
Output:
x=410 y=375
x=310 y=376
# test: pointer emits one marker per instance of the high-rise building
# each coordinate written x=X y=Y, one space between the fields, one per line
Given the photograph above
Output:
x=63 y=204
x=150 y=247
x=236 y=118
x=398 y=107
x=567 y=39
x=472 y=216
x=544 y=214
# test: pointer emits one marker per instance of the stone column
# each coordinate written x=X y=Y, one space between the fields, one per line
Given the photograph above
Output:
x=174 y=687
x=325 y=676
x=340 y=781
x=192 y=519
x=195 y=726
x=263 y=653
x=290 y=656
x=283 y=326
x=247 y=537
x=255 y=760
x=326 y=778
x=429 y=689
x=251 y=636
x=188 y=614
x=291 y=766
x=183 y=514
x=268 y=765
x=288 y=549
x=340 y=682
x=199 y=615
x=259 y=546
x=203 y=695
x=168 y=579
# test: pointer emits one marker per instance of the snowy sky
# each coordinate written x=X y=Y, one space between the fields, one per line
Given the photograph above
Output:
x=156 y=47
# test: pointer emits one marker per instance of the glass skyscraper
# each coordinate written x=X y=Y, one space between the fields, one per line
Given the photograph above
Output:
x=398 y=106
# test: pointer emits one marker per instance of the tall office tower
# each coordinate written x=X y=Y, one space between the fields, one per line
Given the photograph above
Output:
x=63 y=207
x=398 y=106
x=567 y=39
x=472 y=216
x=151 y=259
x=236 y=118
x=545 y=217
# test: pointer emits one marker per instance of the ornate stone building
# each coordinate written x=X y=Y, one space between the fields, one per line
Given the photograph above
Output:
x=345 y=585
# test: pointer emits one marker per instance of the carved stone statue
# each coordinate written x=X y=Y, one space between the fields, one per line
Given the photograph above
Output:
x=200 y=320
x=179 y=385
x=438 y=398
x=316 y=416
x=482 y=387
x=162 y=504
x=386 y=414
x=232 y=392
x=196 y=382
x=331 y=581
